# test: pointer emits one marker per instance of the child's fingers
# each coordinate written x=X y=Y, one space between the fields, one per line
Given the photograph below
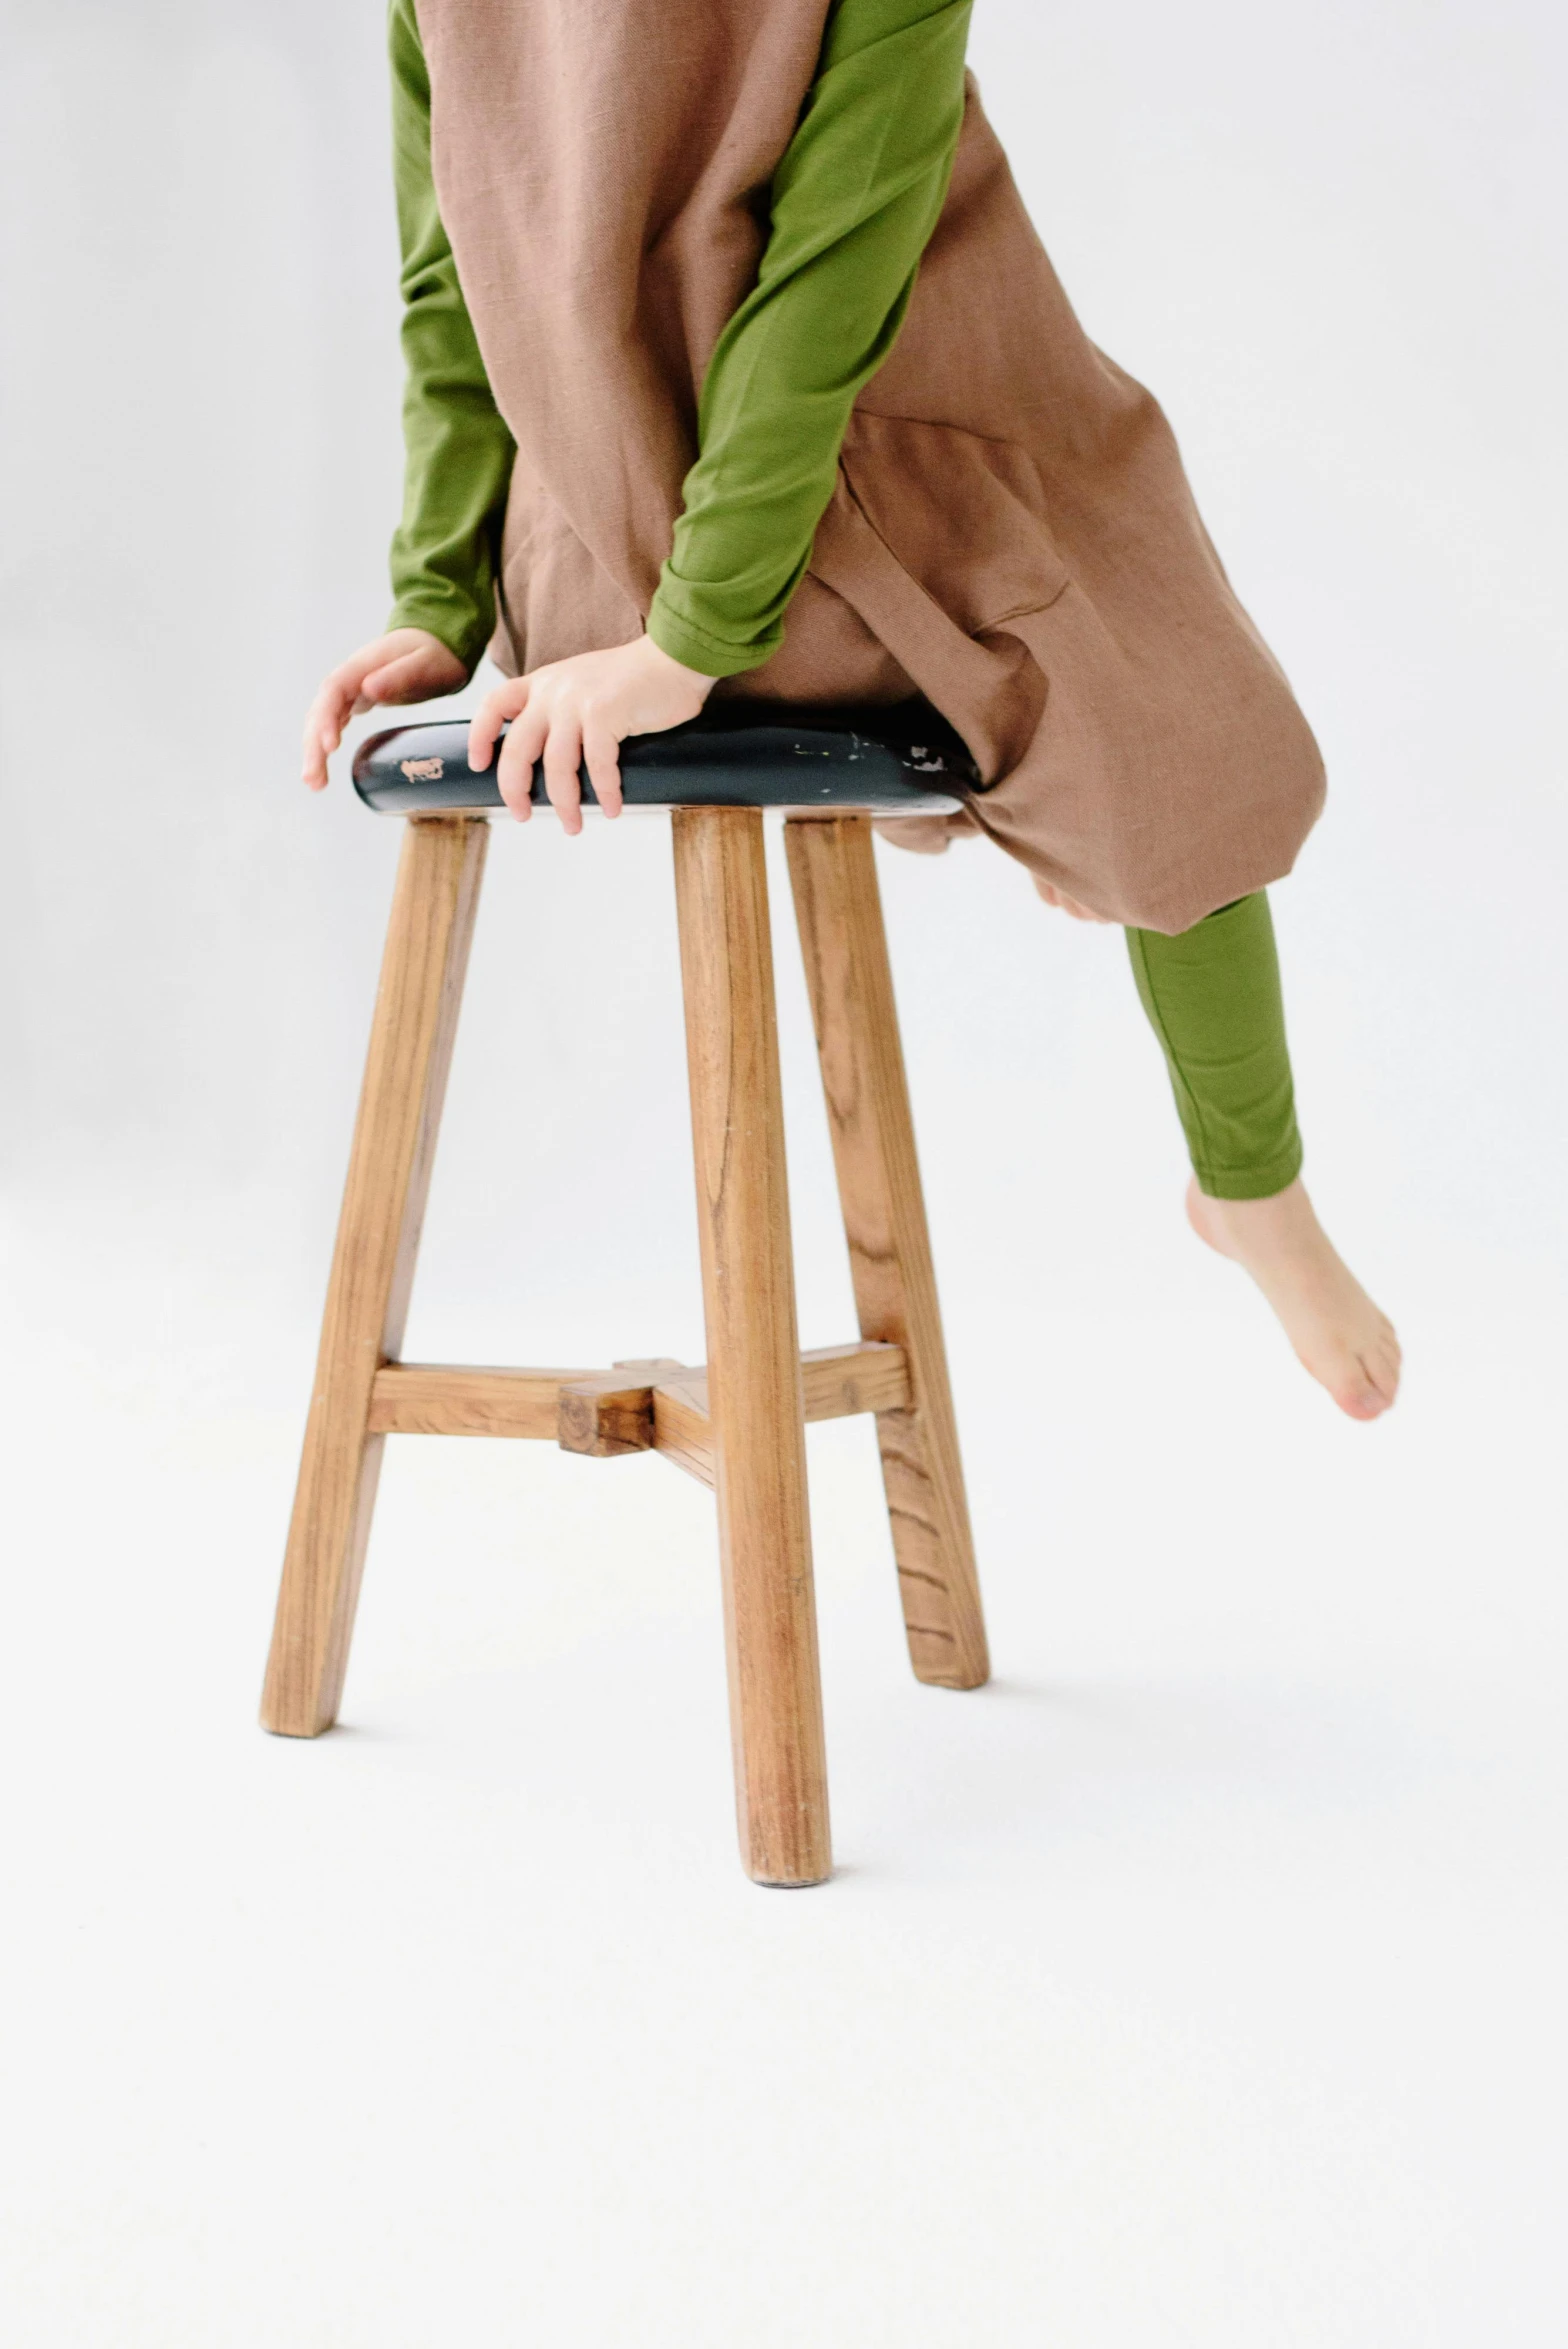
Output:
x=500 y=703
x=312 y=751
x=602 y=756
x=324 y=723
x=365 y=679
x=405 y=679
x=519 y=754
x=563 y=758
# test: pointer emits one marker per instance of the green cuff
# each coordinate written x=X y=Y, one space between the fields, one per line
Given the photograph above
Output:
x=1251 y=1182
x=711 y=656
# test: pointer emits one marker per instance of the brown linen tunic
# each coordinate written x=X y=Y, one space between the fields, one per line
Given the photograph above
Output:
x=1012 y=533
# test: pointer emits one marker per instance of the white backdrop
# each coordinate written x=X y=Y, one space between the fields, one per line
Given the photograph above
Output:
x=1201 y=1979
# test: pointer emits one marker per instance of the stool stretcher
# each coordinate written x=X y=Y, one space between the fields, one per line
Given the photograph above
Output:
x=605 y=1413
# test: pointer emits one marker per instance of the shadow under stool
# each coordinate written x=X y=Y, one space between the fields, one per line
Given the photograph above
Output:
x=735 y=1422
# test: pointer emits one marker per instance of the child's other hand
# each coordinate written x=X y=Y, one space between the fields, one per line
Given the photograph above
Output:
x=408 y=665
x=1066 y=904
x=580 y=711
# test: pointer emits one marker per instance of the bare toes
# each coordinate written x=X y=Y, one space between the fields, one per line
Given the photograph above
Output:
x=1373 y=1390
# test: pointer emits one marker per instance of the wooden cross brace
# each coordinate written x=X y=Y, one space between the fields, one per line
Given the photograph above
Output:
x=657 y=1406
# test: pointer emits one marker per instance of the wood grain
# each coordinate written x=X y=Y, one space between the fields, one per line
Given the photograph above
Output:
x=441 y=1398
x=605 y=1416
x=839 y=913
x=608 y=1412
x=415 y=1020
x=840 y=1381
x=753 y=1353
x=603 y=1413
x=837 y=1382
x=682 y=1430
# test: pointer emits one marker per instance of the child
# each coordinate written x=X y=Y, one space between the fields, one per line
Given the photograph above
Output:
x=734 y=363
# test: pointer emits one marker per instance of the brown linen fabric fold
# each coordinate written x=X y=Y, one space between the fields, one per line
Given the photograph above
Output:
x=1012 y=533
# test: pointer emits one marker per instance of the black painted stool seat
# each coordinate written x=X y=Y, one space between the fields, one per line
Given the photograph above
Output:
x=902 y=760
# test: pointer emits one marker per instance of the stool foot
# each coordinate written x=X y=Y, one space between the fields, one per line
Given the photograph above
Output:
x=839 y=913
x=373 y=1266
x=754 y=1376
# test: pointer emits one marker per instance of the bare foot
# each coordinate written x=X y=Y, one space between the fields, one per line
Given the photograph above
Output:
x=1336 y=1330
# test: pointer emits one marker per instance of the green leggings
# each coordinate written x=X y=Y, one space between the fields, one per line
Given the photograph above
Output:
x=1213 y=998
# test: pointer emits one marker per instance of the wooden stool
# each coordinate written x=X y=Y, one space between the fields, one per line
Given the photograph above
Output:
x=735 y=1422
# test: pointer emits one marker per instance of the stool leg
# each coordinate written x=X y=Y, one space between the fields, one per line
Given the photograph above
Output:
x=839 y=913
x=411 y=1038
x=754 y=1390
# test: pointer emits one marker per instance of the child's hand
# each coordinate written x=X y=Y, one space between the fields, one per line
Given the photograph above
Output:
x=408 y=665
x=1068 y=905
x=581 y=710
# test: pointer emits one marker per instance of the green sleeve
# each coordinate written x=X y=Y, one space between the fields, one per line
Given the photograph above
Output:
x=853 y=205
x=459 y=451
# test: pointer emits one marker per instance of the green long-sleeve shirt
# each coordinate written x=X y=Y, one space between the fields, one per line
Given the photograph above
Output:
x=852 y=207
